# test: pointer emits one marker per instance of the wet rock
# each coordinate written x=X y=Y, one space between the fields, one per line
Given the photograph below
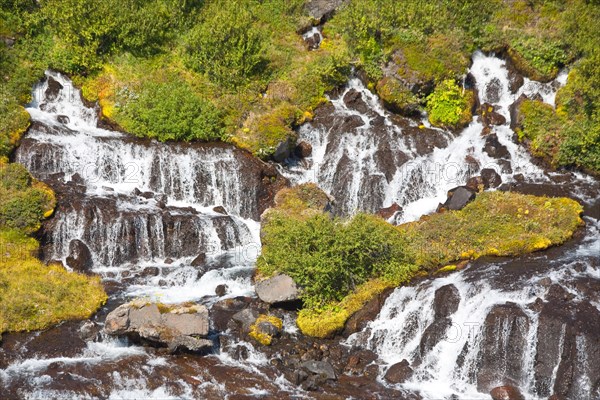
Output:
x=80 y=257
x=425 y=140
x=516 y=118
x=189 y=344
x=359 y=320
x=150 y=271
x=503 y=346
x=88 y=330
x=458 y=198
x=515 y=79
x=222 y=311
x=358 y=361
x=278 y=289
x=322 y=10
x=490 y=116
x=493 y=90
x=446 y=301
x=434 y=334
x=494 y=148
x=244 y=319
x=399 y=372
x=199 y=261
x=219 y=210
x=168 y=261
x=303 y=149
x=351 y=123
x=491 y=179
x=353 y=100
x=63 y=119
x=388 y=212
x=313 y=41
x=506 y=393
x=221 y=290
x=321 y=368
x=282 y=151
x=176 y=326
x=53 y=89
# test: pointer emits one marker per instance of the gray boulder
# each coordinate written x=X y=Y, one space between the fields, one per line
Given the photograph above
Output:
x=278 y=289
x=176 y=326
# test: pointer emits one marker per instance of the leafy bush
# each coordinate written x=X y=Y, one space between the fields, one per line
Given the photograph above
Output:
x=329 y=258
x=228 y=44
x=169 y=111
x=24 y=203
x=449 y=105
x=537 y=58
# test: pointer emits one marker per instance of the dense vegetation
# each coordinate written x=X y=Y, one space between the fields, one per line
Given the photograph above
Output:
x=341 y=264
x=32 y=295
x=244 y=75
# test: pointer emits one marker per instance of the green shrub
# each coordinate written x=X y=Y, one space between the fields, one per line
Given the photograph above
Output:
x=227 y=45
x=449 y=105
x=329 y=258
x=169 y=111
x=539 y=59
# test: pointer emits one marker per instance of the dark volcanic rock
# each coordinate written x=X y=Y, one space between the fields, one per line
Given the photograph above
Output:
x=303 y=149
x=458 y=198
x=359 y=320
x=53 y=89
x=399 y=372
x=221 y=290
x=503 y=346
x=494 y=148
x=490 y=116
x=515 y=79
x=388 y=212
x=516 y=118
x=491 y=179
x=354 y=101
x=80 y=257
x=446 y=301
x=434 y=334
x=322 y=10
x=506 y=393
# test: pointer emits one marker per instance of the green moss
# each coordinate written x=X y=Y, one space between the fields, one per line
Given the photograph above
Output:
x=396 y=96
x=450 y=106
x=35 y=296
x=494 y=224
x=536 y=58
x=24 y=202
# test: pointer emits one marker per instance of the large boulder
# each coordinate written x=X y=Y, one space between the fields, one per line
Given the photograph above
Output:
x=80 y=257
x=278 y=289
x=176 y=326
x=446 y=301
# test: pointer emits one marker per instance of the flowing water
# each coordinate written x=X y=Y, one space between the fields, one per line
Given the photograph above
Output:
x=147 y=210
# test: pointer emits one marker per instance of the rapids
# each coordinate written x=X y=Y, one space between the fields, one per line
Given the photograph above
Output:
x=147 y=210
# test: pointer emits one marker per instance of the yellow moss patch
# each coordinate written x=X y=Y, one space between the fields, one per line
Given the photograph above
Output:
x=261 y=337
x=35 y=296
x=331 y=320
x=495 y=224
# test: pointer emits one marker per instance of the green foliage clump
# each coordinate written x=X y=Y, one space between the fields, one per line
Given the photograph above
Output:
x=537 y=58
x=169 y=111
x=24 y=203
x=329 y=258
x=228 y=45
x=396 y=96
x=449 y=105
x=35 y=296
x=494 y=224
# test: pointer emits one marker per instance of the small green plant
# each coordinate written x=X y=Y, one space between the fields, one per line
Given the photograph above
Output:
x=450 y=105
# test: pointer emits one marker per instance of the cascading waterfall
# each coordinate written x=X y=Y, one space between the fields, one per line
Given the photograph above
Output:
x=147 y=210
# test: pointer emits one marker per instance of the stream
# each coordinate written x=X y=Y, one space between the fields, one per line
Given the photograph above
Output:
x=173 y=221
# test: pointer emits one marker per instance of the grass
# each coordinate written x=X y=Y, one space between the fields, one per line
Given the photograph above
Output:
x=35 y=296
x=341 y=265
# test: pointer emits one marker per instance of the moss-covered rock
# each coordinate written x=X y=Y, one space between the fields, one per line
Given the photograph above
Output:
x=450 y=106
x=265 y=328
x=397 y=97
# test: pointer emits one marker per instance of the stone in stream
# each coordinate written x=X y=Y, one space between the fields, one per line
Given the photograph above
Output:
x=506 y=393
x=494 y=148
x=353 y=100
x=303 y=149
x=446 y=301
x=80 y=257
x=399 y=372
x=490 y=116
x=278 y=289
x=53 y=89
x=180 y=327
x=458 y=198
x=221 y=290
x=388 y=212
